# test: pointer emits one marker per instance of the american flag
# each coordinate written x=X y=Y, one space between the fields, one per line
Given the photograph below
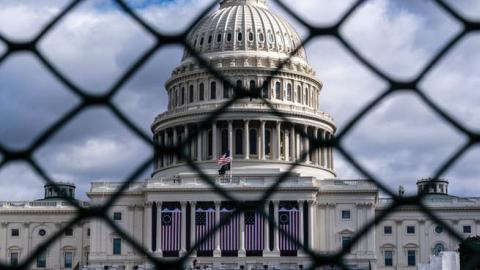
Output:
x=171 y=229
x=254 y=225
x=224 y=159
x=289 y=223
x=204 y=223
x=229 y=232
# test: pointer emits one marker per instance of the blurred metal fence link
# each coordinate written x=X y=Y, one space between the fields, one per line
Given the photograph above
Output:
x=162 y=39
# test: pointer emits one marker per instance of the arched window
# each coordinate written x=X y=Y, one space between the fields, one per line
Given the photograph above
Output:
x=261 y=37
x=289 y=92
x=253 y=142
x=239 y=142
x=252 y=86
x=240 y=36
x=210 y=145
x=278 y=90
x=265 y=91
x=213 y=90
x=183 y=96
x=250 y=36
x=224 y=140
x=268 y=142
x=229 y=37
x=438 y=248
x=201 y=41
x=201 y=93
x=226 y=91
x=239 y=85
x=191 y=94
x=209 y=39
x=219 y=38
x=299 y=94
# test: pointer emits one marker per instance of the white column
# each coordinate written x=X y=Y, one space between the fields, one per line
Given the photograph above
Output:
x=301 y=232
x=159 y=229
x=311 y=224
x=148 y=225
x=278 y=141
x=266 y=231
x=217 y=252
x=241 y=251
x=262 y=140
x=192 y=225
x=287 y=145
x=307 y=145
x=214 y=141
x=183 y=244
x=175 y=143
x=199 y=144
x=276 y=242
x=292 y=142
x=317 y=151
x=246 y=139
x=230 y=137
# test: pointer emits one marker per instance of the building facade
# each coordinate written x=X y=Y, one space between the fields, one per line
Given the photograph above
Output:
x=168 y=213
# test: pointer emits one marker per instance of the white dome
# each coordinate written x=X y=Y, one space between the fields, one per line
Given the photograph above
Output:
x=245 y=25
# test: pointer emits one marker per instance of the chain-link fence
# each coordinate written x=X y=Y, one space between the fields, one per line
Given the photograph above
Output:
x=162 y=39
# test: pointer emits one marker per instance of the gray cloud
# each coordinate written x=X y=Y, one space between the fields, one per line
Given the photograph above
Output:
x=399 y=141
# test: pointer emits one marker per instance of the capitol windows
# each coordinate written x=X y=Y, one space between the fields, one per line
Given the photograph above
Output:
x=210 y=39
x=201 y=41
x=219 y=38
x=240 y=36
x=289 y=92
x=14 y=258
x=224 y=138
x=190 y=98
x=239 y=142
x=388 y=257
x=270 y=37
x=278 y=90
x=387 y=230
x=42 y=260
x=15 y=232
x=411 y=257
x=117 y=216
x=261 y=37
x=42 y=232
x=117 y=246
x=201 y=93
x=410 y=229
x=252 y=85
x=213 y=90
x=253 y=142
x=68 y=232
x=346 y=215
x=268 y=142
x=347 y=242
x=250 y=36
x=182 y=96
x=265 y=91
x=68 y=259
x=467 y=229
x=437 y=249
x=229 y=37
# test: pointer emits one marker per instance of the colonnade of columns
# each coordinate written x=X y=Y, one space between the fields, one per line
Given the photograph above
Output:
x=155 y=246
x=247 y=139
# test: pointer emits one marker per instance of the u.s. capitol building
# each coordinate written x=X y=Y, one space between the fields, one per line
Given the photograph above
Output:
x=169 y=212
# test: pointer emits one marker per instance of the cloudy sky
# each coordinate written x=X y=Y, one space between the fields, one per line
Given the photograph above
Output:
x=399 y=141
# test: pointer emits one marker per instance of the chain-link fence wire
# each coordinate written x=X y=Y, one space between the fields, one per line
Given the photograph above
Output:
x=84 y=213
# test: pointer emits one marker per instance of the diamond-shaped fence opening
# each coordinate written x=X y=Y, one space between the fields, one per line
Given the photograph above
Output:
x=103 y=211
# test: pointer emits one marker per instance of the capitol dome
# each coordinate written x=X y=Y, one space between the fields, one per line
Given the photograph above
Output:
x=245 y=26
x=246 y=43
